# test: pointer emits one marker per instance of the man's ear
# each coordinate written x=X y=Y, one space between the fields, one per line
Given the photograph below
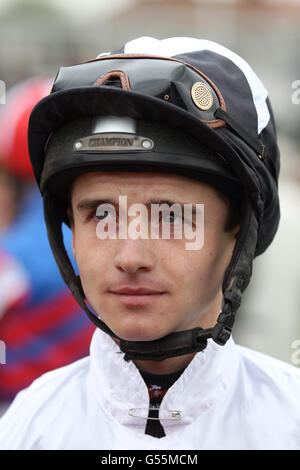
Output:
x=73 y=244
x=236 y=230
x=71 y=222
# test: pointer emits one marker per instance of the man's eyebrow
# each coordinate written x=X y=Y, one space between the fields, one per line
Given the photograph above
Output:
x=89 y=204
x=170 y=203
x=163 y=201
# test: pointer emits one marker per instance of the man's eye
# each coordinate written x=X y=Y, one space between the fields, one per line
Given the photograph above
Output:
x=100 y=215
x=105 y=211
x=171 y=217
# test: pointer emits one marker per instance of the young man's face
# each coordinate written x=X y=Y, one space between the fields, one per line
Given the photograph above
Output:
x=144 y=289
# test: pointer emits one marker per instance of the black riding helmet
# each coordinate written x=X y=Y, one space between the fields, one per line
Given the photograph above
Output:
x=182 y=106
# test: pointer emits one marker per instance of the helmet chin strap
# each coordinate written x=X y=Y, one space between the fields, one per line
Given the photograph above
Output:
x=173 y=345
x=236 y=279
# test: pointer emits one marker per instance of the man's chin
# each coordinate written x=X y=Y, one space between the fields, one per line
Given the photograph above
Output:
x=139 y=337
x=138 y=327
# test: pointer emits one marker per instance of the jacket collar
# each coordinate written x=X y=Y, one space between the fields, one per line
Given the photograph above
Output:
x=122 y=393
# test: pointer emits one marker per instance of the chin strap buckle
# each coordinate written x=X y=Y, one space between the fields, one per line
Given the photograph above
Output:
x=221 y=334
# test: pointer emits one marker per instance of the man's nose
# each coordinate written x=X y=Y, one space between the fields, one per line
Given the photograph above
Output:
x=134 y=255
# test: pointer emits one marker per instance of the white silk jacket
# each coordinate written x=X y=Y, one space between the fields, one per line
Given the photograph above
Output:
x=229 y=397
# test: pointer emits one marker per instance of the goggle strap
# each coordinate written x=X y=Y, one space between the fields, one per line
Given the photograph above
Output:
x=235 y=126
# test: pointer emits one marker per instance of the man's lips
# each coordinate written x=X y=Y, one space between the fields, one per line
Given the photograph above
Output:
x=135 y=291
x=136 y=295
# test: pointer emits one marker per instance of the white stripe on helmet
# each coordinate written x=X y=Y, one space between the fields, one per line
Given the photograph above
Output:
x=179 y=45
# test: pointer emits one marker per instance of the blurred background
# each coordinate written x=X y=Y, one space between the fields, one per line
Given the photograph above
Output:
x=37 y=37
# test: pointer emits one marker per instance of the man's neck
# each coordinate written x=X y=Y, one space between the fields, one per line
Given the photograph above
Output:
x=168 y=366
